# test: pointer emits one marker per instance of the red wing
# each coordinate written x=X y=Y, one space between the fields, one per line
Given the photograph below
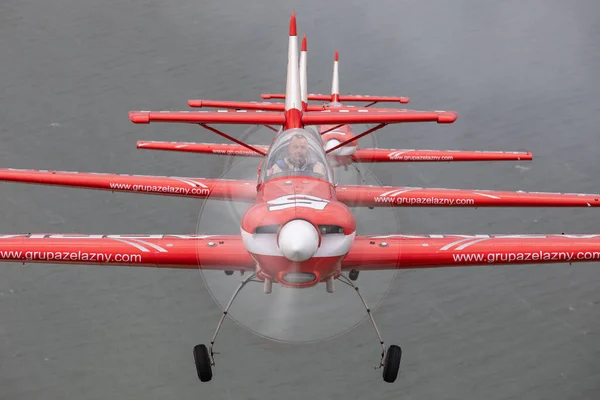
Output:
x=386 y=196
x=404 y=155
x=376 y=99
x=344 y=98
x=205 y=117
x=214 y=189
x=246 y=105
x=218 y=252
x=438 y=251
x=206 y=148
x=267 y=106
x=330 y=116
x=238 y=105
x=372 y=115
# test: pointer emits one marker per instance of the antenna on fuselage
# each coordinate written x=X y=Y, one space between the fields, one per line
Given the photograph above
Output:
x=293 y=100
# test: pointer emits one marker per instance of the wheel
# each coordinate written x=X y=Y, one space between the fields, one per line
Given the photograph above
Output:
x=391 y=364
x=202 y=361
x=353 y=275
x=228 y=272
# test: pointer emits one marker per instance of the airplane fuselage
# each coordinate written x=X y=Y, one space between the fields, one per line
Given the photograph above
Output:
x=297 y=232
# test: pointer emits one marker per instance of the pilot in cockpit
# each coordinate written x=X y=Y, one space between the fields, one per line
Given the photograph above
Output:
x=297 y=159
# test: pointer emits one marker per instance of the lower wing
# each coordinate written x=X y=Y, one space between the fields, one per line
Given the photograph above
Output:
x=405 y=155
x=211 y=252
x=387 y=196
x=439 y=251
x=204 y=148
x=360 y=156
x=214 y=189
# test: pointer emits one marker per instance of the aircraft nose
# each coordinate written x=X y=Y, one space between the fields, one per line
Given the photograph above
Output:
x=298 y=240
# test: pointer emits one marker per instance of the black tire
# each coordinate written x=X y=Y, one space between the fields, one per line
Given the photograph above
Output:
x=391 y=364
x=202 y=360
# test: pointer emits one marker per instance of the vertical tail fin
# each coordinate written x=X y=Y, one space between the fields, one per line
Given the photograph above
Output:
x=303 y=80
x=293 y=101
x=335 y=82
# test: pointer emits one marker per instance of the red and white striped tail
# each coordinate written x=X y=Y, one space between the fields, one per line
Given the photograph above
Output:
x=293 y=100
x=335 y=82
x=303 y=80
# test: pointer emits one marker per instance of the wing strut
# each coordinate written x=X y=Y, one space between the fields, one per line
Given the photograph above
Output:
x=271 y=128
x=332 y=129
x=358 y=137
x=218 y=132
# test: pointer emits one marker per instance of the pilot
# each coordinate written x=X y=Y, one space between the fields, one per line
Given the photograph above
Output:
x=297 y=159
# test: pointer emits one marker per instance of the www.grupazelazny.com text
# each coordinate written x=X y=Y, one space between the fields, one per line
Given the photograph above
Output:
x=73 y=256
x=508 y=257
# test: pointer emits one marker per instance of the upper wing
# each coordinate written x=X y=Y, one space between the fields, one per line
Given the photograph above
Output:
x=344 y=98
x=214 y=189
x=243 y=117
x=268 y=106
x=386 y=196
x=372 y=115
x=435 y=251
x=216 y=252
x=238 y=105
x=246 y=105
x=326 y=117
x=405 y=155
x=206 y=148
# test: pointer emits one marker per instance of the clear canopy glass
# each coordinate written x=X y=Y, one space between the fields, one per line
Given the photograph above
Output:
x=296 y=152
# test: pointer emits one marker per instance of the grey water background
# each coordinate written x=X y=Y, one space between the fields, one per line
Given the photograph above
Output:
x=522 y=75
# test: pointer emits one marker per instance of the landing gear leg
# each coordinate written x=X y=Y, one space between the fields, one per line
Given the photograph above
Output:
x=203 y=356
x=390 y=359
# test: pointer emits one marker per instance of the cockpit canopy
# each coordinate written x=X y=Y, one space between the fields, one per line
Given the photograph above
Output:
x=296 y=152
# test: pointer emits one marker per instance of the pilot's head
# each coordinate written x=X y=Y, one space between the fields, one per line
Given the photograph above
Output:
x=298 y=150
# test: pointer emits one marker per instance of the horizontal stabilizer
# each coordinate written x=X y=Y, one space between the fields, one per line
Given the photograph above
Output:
x=387 y=196
x=204 y=148
x=447 y=251
x=211 y=252
x=344 y=98
x=406 y=155
x=214 y=189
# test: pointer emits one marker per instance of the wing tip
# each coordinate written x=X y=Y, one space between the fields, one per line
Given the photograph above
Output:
x=447 y=117
x=139 y=117
x=195 y=103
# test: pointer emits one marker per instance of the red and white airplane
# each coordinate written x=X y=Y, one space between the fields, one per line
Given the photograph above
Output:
x=340 y=142
x=298 y=231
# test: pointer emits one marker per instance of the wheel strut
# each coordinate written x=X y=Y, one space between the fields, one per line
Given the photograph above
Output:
x=239 y=288
x=348 y=282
